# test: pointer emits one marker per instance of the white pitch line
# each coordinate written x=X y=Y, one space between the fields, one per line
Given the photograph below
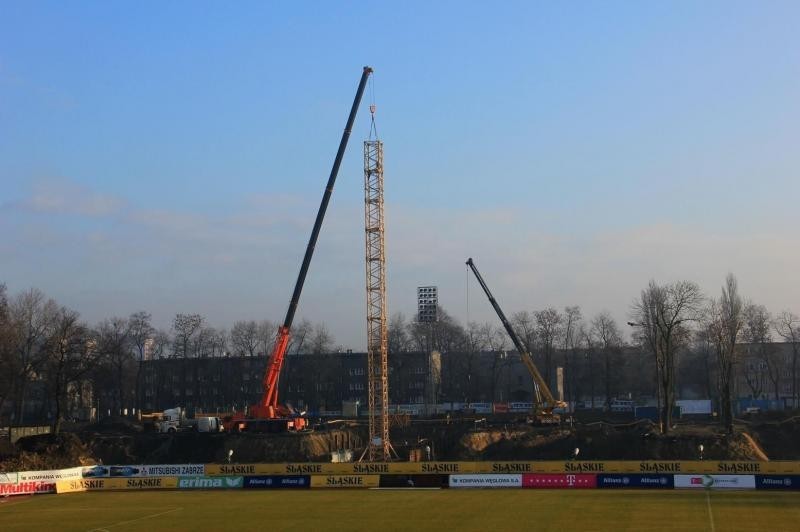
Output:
x=104 y=529
x=710 y=515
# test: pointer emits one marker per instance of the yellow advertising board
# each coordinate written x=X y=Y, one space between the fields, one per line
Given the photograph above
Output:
x=95 y=484
x=508 y=467
x=358 y=468
x=345 y=481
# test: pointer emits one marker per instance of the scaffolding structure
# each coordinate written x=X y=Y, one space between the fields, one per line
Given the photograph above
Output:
x=378 y=447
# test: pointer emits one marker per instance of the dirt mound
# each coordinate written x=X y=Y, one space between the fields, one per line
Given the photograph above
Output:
x=48 y=451
x=780 y=440
x=603 y=442
x=310 y=447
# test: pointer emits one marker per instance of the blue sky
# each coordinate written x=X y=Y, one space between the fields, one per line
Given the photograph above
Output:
x=171 y=156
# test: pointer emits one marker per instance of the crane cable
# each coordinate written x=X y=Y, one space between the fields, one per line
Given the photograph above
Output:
x=372 y=108
x=467 y=271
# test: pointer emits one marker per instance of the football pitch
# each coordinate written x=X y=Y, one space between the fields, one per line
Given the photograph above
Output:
x=441 y=510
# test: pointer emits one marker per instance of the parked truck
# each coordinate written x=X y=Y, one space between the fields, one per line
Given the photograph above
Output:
x=174 y=420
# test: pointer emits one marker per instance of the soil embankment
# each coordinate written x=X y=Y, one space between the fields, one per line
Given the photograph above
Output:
x=457 y=441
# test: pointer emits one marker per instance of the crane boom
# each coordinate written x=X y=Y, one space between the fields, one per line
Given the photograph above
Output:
x=544 y=396
x=267 y=407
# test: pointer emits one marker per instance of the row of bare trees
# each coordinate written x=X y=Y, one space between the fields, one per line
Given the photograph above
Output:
x=676 y=317
x=554 y=338
x=45 y=343
x=52 y=363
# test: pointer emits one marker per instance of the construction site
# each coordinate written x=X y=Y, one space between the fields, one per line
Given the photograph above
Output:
x=270 y=431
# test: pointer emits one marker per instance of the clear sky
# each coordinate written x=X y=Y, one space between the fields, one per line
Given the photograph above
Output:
x=170 y=156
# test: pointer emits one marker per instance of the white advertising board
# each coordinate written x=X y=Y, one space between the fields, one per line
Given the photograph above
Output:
x=485 y=481
x=737 y=482
x=52 y=475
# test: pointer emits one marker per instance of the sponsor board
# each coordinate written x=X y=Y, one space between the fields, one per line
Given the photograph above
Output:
x=345 y=481
x=172 y=470
x=635 y=480
x=94 y=484
x=506 y=467
x=340 y=468
x=208 y=483
x=485 y=481
x=124 y=471
x=9 y=478
x=277 y=482
x=413 y=481
x=51 y=475
x=715 y=481
x=559 y=480
x=96 y=471
x=27 y=488
x=777 y=482
x=160 y=470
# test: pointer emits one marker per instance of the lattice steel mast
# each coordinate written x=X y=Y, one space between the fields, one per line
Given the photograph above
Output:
x=378 y=447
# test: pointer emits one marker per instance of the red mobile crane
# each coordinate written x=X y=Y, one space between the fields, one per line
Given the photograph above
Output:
x=544 y=402
x=268 y=415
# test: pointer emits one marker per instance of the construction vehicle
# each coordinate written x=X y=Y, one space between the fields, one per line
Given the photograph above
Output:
x=544 y=403
x=174 y=420
x=267 y=415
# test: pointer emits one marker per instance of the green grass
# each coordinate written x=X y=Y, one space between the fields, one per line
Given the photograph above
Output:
x=443 y=511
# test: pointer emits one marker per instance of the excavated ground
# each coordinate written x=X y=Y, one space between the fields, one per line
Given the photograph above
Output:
x=125 y=443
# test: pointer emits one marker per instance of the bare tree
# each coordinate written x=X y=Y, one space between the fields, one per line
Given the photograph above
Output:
x=117 y=361
x=724 y=322
x=72 y=354
x=186 y=326
x=549 y=328
x=573 y=318
x=6 y=350
x=662 y=315
x=298 y=342
x=495 y=340
x=399 y=341
x=524 y=324
x=757 y=332
x=31 y=316
x=141 y=331
x=245 y=338
x=787 y=325
x=321 y=340
x=608 y=339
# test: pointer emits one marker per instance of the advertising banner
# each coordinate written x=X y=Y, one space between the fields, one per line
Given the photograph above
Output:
x=634 y=480
x=559 y=481
x=777 y=482
x=96 y=471
x=169 y=470
x=161 y=470
x=739 y=482
x=485 y=481
x=9 y=478
x=337 y=468
x=27 y=488
x=414 y=481
x=506 y=467
x=210 y=483
x=277 y=482
x=345 y=481
x=93 y=484
x=52 y=475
